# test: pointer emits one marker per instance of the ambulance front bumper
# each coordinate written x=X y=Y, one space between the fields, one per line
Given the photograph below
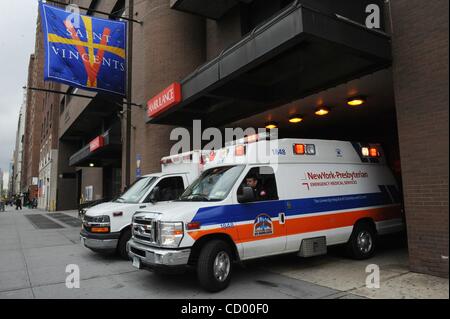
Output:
x=157 y=258
x=100 y=242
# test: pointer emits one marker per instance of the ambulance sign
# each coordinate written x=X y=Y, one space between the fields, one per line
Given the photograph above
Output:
x=163 y=101
x=96 y=143
x=333 y=178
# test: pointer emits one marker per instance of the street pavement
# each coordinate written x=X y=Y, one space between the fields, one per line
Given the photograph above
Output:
x=33 y=264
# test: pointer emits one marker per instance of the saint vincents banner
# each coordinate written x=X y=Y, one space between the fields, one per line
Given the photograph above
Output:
x=83 y=51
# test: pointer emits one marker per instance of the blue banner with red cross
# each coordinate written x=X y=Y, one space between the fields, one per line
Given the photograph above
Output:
x=84 y=51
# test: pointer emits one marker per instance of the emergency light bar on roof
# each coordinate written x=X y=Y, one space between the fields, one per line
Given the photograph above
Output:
x=370 y=151
x=187 y=157
x=272 y=152
x=304 y=149
x=263 y=136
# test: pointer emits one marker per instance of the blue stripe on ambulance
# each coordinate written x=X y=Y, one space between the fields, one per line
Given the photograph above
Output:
x=240 y=212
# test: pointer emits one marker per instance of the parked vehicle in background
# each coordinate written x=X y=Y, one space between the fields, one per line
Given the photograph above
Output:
x=107 y=226
x=307 y=195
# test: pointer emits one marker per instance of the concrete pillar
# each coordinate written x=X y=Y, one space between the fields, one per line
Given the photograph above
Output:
x=67 y=188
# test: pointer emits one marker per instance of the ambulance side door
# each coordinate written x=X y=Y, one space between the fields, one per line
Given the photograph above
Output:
x=261 y=229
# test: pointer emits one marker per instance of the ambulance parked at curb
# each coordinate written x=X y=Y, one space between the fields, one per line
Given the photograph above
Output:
x=106 y=227
x=300 y=197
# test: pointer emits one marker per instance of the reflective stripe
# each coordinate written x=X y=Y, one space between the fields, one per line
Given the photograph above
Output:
x=238 y=213
x=244 y=232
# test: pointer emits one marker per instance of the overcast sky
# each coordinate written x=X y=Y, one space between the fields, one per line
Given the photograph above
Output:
x=17 y=38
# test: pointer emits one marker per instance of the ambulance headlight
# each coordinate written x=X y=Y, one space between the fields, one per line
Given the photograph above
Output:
x=170 y=234
x=103 y=220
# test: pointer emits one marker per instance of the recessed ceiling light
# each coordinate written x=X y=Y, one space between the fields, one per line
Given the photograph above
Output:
x=295 y=119
x=271 y=125
x=322 y=110
x=356 y=101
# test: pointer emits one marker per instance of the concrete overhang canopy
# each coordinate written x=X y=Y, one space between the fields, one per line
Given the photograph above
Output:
x=109 y=153
x=76 y=124
x=296 y=53
x=208 y=9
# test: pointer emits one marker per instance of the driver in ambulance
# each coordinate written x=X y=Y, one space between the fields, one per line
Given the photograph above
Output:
x=252 y=181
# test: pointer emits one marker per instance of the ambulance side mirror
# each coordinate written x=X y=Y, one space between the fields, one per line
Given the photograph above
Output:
x=247 y=195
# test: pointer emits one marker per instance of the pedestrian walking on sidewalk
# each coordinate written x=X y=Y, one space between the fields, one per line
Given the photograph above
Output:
x=34 y=203
x=18 y=203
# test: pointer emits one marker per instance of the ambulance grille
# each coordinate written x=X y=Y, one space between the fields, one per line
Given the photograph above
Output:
x=145 y=230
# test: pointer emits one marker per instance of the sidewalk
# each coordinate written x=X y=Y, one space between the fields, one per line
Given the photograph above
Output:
x=36 y=247
x=349 y=276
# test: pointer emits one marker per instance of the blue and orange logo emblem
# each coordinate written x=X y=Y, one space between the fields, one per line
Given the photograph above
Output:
x=263 y=225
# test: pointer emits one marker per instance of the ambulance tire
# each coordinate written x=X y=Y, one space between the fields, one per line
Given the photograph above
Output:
x=215 y=249
x=362 y=242
x=122 y=245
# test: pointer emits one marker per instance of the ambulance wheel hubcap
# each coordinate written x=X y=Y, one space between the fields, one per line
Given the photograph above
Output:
x=364 y=242
x=222 y=266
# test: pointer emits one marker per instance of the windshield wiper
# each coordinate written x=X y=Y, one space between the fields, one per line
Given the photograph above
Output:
x=119 y=200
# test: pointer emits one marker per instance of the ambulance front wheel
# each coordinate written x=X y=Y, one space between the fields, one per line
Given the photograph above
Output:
x=122 y=245
x=361 y=244
x=215 y=265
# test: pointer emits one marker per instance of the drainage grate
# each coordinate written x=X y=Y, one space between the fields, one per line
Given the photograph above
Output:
x=42 y=222
x=66 y=219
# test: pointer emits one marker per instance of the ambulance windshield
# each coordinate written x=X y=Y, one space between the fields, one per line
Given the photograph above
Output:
x=213 y=185
x=137 y=191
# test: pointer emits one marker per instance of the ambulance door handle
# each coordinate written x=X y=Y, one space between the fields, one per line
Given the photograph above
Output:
x=282 y=218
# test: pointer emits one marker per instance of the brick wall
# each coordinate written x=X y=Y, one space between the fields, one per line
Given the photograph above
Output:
x=166 y=48
x=420 y=49
x=26 y=140
x=35 y=104
x=67 y=187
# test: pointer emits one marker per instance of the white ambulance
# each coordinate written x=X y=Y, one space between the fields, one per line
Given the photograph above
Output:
x=299 y=196
x=106 y=227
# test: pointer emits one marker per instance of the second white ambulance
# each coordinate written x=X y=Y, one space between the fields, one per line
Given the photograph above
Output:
x=106 y=227
x=300 y=197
